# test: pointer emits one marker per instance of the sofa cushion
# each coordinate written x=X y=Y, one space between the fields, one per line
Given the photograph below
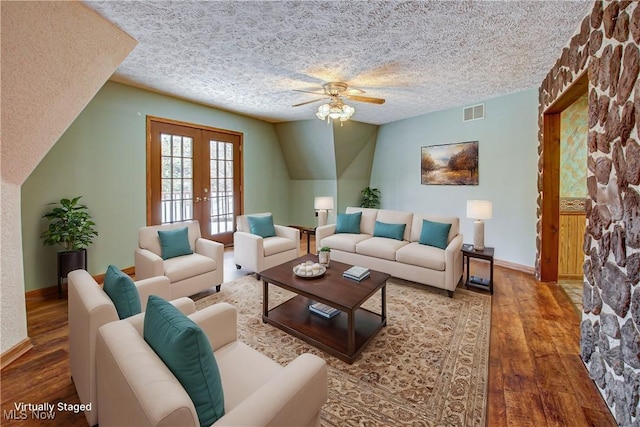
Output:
x=344 y=242
x=348 y=223
x=380 y=247
x=368 y=221
x=262 y=225
x=422 y=256
x=391 y=231
x=435 y=233
x=174 y=243
x=122 y=291
x=397 y=217
x=416 y=225
x=184 y=267
x=275 y=245
x=186 y=351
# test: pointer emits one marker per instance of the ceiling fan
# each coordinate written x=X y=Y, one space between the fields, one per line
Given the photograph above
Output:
x=336 y=90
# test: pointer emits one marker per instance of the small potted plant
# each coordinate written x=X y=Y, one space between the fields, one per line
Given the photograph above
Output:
x=70 y=227
x=323 y=256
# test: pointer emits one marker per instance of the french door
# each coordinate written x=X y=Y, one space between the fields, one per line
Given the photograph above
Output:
x=194 y=172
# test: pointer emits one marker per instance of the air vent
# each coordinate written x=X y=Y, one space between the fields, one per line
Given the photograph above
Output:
x=475 y=112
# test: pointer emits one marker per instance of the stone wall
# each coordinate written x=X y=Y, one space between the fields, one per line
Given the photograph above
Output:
x=607 y=45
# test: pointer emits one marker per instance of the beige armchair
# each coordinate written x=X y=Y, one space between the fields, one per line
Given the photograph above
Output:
x=89 y=309
x=135 y=388
x=189 y=274
x=256 y=253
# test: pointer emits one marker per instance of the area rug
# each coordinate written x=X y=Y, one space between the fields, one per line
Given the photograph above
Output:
x=427 y=367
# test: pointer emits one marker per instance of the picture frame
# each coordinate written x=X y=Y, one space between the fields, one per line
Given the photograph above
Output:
x=450 y=164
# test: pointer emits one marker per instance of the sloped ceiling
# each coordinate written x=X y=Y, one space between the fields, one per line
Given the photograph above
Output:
x=421 y=56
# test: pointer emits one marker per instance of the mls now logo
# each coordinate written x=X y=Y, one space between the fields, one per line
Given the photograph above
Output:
x=24 y=411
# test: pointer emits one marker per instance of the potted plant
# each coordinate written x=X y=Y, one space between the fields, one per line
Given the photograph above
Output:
x=370 y=198
x=323 y=256
x=70 y=227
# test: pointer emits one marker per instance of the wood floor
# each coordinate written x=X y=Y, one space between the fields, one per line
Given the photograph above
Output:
x=536 y=377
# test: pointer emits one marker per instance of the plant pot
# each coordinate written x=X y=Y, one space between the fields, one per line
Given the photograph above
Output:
x=69 y=261
x=324 y=258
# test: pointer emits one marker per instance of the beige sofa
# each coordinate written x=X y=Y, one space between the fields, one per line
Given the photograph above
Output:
x=189 y=274
x=135 y=388
x=406 y=259
x=90 y=308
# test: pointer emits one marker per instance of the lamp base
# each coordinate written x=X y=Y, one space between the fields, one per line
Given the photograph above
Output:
x=322 y=217
x=478 y=235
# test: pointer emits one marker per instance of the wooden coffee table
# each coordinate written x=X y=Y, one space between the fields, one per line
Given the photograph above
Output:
x=345 y=335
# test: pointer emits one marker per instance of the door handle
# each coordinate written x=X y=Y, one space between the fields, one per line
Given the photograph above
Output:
x=198 y=199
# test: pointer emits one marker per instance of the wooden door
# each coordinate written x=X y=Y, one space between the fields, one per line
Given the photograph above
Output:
x=194 y=173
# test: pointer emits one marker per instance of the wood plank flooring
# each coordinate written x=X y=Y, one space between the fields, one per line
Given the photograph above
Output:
x=536 y=377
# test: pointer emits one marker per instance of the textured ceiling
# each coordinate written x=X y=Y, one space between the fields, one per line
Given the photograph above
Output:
x=421 y=56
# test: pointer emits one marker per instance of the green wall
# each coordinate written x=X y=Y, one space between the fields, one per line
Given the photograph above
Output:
x=102 y=156
x=326 y=160
x=508 y=170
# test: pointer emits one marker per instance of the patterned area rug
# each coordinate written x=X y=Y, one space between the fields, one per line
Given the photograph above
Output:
x=428 y=367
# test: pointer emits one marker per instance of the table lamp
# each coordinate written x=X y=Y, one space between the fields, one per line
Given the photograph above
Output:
x=479 y=210
x=323 y=205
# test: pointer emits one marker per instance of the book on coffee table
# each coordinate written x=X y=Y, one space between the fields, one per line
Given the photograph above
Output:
x=324 y=310
x=357 y=273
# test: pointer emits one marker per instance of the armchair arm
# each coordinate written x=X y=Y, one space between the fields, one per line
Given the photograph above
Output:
x=287 y=232
x=218 y=322
x=453 y=263
x=322 y=232
x=184 y=304
x=211 y=249
x=248 y=250
x=147 y=264
x=159 y=285
x=291 y=398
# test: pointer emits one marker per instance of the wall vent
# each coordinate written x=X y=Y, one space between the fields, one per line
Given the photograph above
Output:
x=475 y=112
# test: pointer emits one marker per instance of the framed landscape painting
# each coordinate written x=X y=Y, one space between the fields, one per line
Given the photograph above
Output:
x=450 y=164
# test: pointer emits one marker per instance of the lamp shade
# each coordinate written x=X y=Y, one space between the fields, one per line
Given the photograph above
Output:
x=479 y=209
x=323 y=203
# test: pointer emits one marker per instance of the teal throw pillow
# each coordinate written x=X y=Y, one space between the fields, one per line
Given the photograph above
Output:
x=186 y=351
x=174 y=243
x=122 y=291
x=435 y=234
x=349 y=223
x=262 y=225
x=391 y=231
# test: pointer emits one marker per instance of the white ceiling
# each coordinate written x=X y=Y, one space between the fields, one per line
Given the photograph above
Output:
x=421 y=56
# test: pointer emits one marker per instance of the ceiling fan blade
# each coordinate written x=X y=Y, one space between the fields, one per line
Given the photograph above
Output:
x=308 y=102
x=365 y=99
x=308 y=91
x=353 y=91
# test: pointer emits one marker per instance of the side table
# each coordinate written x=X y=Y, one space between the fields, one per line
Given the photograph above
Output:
x=306 y=231
x=486 y=254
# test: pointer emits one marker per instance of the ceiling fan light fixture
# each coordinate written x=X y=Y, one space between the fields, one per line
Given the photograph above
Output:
x=336 y=110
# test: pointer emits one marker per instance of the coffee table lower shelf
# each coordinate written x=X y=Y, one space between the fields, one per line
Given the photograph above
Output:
x=330 y=335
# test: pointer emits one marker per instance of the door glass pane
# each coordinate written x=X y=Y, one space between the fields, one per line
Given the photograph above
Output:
x=221 y=185
x=177 y=178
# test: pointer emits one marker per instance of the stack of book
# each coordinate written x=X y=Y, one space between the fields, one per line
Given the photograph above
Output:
x=323 y=310
x=356 y=273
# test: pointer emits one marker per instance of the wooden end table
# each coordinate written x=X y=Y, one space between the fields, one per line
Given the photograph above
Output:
x=486 y=254
x=345 y=335
x=306 y=231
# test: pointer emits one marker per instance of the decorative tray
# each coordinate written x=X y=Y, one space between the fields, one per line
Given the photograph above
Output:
x=309 y=270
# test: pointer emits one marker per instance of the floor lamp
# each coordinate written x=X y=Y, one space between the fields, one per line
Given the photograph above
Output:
x=323 y=205
x=479 y=210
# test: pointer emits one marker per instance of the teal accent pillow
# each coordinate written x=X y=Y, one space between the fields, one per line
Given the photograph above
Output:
x=391 y=231
x=435 y=234
x=349 y=223
x=186 y=351
x=174 y=243
x=122 y=291
x=262 y=225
